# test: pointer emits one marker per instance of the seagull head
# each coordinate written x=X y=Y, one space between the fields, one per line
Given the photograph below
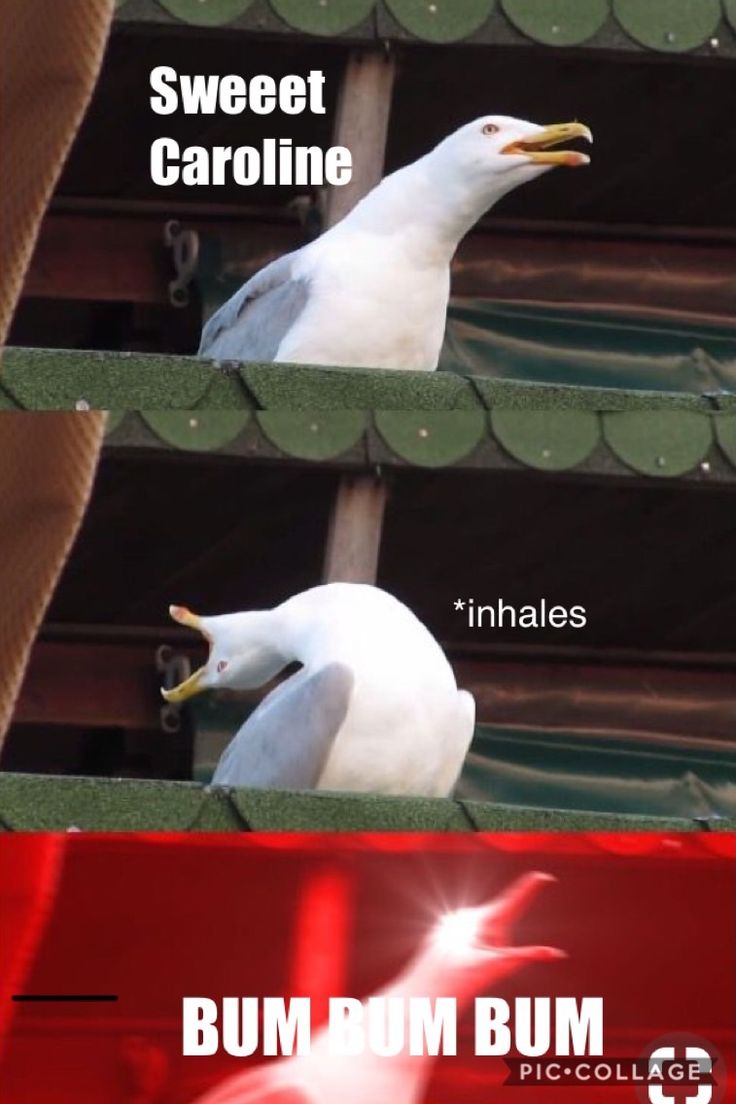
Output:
x=477 y=941
x=501 y=152
x=242 y=655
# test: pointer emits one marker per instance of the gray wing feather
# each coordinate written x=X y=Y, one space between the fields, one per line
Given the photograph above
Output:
x=285 y=743
x=253 y=322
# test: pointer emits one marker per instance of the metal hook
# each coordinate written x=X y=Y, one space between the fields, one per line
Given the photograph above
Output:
x=184 y=245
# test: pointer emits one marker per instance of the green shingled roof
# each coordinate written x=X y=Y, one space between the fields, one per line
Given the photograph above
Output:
x=60 y=803
x=368 y=417
x=669 y=26
x=661 y=444
x=57 y=379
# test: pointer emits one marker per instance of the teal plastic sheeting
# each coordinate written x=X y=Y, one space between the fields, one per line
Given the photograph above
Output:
x=649 y=776
x=554 y=344
x=557 y=345
x=548 y=769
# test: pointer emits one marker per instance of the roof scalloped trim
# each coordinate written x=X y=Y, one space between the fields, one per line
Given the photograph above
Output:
x=313 y=436
x=441 y=20
x=669 y=26
x=655 y=444
x=206 y=13
x=429 y=419
x=198 y=430
x=661 y=443
x=323 y=17
x=726 y=435
x=730 y=8
x=431 y=438
x=550 y=440
x=558 y=22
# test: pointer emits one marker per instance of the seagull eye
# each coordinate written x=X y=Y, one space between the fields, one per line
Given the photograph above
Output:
x=491 y=128
x=221 y=666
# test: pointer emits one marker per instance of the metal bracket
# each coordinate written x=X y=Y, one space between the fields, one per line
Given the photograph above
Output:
x=174 y=668
x=185 y=249
x=311 y=210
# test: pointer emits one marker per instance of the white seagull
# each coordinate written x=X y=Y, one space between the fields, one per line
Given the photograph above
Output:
x=375 y=706
x=372 y=291
x=466 y=952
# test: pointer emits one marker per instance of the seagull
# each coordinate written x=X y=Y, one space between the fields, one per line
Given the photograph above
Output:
x=372 y=291
x=465 y=952
x=374 y=707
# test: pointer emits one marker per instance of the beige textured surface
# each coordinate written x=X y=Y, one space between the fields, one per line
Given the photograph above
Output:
x=51 y=55
x=47 y=464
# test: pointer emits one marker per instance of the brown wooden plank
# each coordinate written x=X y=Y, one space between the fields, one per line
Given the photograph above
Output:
x=119 y=255
x=108 y=682
x=646 y=700
x=90 y=684
x=648 y=279
x=354 y=535
x=114 y=683
x=100 y=258
x=361 y=124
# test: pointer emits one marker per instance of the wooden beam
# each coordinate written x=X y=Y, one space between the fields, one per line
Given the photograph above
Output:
x=363 y=111
x=354 y=534
x=99 y=258
x=106 y=683
x=90 y=685
x=117 y=254
x=636 y=701
x=361 y=124
x=114 y=257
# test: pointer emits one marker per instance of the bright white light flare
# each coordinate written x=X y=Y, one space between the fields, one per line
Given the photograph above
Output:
x=456 y=932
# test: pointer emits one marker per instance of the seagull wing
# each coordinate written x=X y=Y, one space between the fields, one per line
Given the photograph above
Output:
x=255 y=1086
x=252 y=323
x=460 y=738
x=466 y=712
x=285 y=743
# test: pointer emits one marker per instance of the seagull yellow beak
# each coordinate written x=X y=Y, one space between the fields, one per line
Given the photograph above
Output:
x=187 y=689
x=538 y=147
x=194 y=684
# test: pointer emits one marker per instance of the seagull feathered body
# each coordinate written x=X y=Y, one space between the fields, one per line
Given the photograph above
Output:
x=373 y=290
x=466 y=952
x=375 y=706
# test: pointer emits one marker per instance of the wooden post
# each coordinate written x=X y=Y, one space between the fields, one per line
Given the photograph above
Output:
x=361 y=124
x=354 y=534
x=363 y=110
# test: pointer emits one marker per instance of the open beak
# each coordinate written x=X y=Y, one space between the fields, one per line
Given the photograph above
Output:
x=500 y=915
x=187 y=689
x=195 y=683
x=487 y=930
x=539 y=147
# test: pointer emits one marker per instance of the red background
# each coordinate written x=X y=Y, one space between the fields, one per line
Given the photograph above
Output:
x=648 y=923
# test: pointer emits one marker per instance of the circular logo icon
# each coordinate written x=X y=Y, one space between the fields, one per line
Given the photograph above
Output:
x=683 y=1069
